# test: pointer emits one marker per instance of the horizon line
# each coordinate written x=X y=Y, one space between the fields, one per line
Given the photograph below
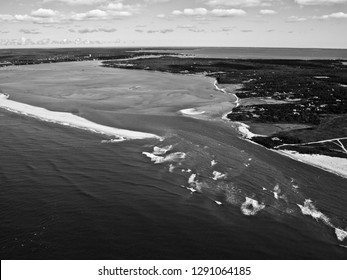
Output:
x=164 y=47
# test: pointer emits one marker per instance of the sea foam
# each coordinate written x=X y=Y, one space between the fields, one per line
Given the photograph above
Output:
x=309 y=209
x=340 y=234
x=217 y=175
x=161 y=151
x=174 y=157
x=69 y=119
x=191 y=112
x=191 y=179
x=171 y=168
x=213 y=163
x=251 y=207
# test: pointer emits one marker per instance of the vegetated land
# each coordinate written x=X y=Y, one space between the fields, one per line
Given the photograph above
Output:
x=309 y=92
x=37 y=56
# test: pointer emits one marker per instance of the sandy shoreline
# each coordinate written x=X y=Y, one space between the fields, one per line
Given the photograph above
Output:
x=69 y=119
x=334 y=165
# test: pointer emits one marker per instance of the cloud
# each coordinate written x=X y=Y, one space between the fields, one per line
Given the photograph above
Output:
x=267 y=12
x=98 y=14
x=28 y=18
x=115 y=6
x=114 y=10
x=93 y=14
x=44 y=13
x=187 y=26
x=156 y=1
x=38 y=16
x=77 y=2
x=29 y=31
x=166 y=31
x=158 y=31
x=119 y=6
x=295 y=19
x=93 y=30
x=139 y=30
x=239 y=3
x=214 y=12
x=319 y=2
x=191 y=12
x=227 y=12
x=6 y=18
x=196 y=30
x=46 y=41
x=16 y=42
x=224 y=29
x=339 y=15
x=161 y=16
x=247 y=30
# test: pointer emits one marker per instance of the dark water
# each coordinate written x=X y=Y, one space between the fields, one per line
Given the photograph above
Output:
x=268 y=53
x=65 y=194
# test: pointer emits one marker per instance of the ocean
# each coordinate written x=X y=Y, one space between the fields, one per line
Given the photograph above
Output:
x=263 y=53
x=198 y=192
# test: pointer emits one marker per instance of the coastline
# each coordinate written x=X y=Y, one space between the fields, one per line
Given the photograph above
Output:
x=215 y=111
x=335 y=165
x=71 y=120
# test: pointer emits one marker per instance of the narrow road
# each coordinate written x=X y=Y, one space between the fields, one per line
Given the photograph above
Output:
x=336 y=141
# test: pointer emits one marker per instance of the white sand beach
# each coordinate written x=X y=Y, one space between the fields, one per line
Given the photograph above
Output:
x=69 y=119
x=332 y=164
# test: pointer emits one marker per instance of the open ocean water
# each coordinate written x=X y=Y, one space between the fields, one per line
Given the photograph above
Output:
x=201 y=193
x=269 y=53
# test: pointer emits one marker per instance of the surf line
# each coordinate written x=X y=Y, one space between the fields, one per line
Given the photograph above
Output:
x=248 y=135
x=242 y=127
x=71 y=120
x=236 y=102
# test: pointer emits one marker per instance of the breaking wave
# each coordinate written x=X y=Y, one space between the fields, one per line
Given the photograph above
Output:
x=161 y=151
x=340 y=234
x=309 y=209
x=174 y=157
x=217 y=175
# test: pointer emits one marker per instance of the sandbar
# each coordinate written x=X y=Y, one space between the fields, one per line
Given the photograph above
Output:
x=69 y=119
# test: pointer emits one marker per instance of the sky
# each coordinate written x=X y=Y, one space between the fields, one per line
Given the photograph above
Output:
x=151 y=23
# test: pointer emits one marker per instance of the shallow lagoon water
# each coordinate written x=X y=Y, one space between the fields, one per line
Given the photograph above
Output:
x=72 y=194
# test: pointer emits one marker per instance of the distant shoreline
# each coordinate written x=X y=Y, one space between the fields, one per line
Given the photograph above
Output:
x=326 y=161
